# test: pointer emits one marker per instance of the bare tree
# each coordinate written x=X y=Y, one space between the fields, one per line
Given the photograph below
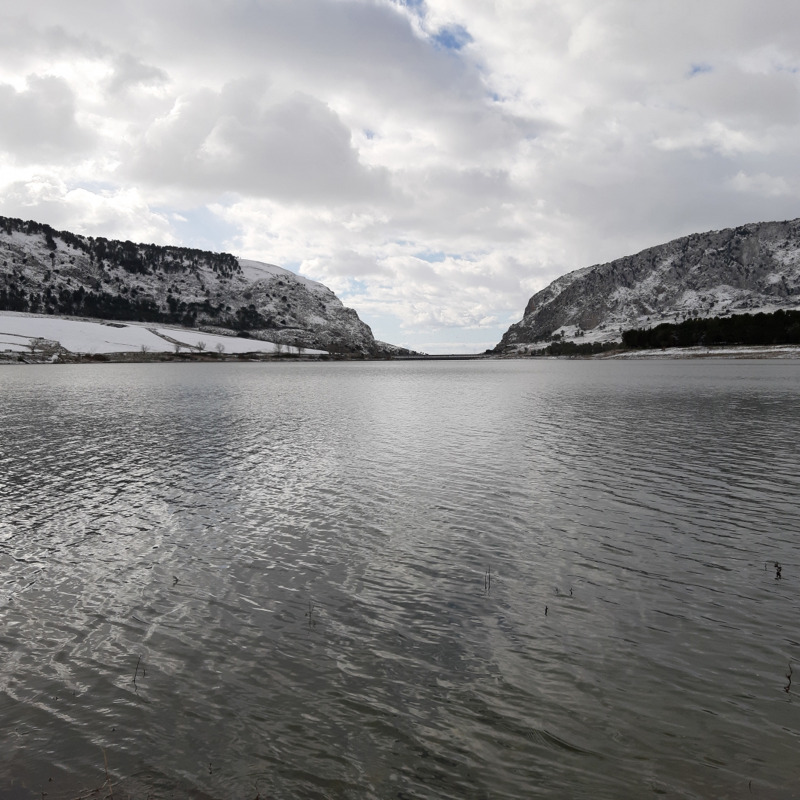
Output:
x=219 y=347
x=38 y=344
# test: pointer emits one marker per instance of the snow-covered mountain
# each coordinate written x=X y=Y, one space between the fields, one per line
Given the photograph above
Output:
x=738 y=270
x=56 y=272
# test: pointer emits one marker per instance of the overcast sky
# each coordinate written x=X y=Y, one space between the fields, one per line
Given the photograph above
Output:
x=434 y=162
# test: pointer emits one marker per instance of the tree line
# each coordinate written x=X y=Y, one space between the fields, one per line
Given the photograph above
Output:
x=779 y=327
x=133 y=258
x=576 y=349
x=104 y=305
x=762 y=329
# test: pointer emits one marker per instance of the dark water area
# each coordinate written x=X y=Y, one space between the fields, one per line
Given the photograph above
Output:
x=497 y=579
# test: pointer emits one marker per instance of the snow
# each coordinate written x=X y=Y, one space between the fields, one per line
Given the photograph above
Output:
x=192 y=339
x=773 y=351
x=14 y=344
x=306 y=310
x=86 y=337
x=79 y=336
x=705 y=275
x=258 y=271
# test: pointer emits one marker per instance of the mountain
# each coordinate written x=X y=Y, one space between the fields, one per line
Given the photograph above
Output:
x=738 y=270
x=46 y=271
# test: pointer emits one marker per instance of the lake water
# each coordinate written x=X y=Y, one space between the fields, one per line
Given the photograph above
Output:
x=500 y=579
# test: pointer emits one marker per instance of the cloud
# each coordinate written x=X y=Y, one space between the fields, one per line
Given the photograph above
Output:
x=734 y=96
x=130 y=72
x=763 y=184
x=91 y=211
x=40 y=120
x=243 y=139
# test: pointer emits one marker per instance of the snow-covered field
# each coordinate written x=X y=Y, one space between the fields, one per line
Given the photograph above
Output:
x=18 y=331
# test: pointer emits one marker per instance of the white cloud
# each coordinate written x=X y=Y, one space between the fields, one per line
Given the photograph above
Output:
x=131 y=73
x=764 y=184
x=117 y=213
x=435 y=162
x=39 y=121
x=242 y=139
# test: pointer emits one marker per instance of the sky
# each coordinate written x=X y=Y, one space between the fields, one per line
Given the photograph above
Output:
x=433 y=162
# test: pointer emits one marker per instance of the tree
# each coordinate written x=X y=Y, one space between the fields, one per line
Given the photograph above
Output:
x=35 y=344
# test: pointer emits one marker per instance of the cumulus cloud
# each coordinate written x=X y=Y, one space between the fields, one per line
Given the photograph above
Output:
x=39 y=121
x=243 y=139
x=91 y=211
x=764 y=184
x=433 y=162
x=130 y=72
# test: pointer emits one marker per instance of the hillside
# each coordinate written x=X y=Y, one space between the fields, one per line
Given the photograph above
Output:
x=60 y=273
x=751 y=268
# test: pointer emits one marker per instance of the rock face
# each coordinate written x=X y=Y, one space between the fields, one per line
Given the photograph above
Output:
x=737 y=270
x=56 y=272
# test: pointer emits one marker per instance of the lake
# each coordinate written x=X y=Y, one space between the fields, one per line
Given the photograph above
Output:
x=494 y=579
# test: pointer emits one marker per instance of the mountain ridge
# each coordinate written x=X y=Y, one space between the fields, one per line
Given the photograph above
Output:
x=43 y=270
x=749 y=268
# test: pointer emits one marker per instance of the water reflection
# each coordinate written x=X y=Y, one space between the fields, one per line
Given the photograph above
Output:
x=292 y=561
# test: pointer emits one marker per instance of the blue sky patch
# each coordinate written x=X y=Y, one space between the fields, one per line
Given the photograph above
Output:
x=453 y=37
x=414 y=5
x=699 y=69
x=432 y=257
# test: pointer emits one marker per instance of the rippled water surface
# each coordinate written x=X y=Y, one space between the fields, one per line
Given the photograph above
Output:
x=402 y=580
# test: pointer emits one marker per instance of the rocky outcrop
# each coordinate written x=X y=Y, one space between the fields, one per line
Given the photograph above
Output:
x=737 y=270
x=56 y=272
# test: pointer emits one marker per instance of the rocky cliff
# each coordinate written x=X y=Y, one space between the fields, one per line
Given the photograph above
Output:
x=751 y=268
x=56 y=272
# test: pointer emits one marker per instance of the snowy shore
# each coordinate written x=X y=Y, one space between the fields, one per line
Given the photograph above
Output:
x=774 y=351
x=37 y=337
x=59 y=337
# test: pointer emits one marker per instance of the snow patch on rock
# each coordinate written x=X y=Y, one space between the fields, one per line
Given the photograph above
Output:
x=739 y=270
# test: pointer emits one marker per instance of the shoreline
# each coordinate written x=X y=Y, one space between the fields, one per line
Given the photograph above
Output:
x=776 y=352
x=20 y=359
x=27 y=338
x=15 y=358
